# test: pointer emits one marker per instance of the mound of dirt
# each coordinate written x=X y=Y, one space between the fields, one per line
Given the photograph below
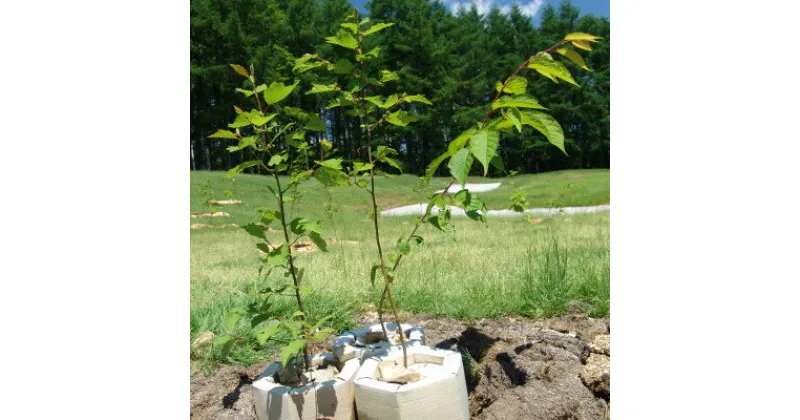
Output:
x=516 y=369
x=204 y=226
x=216 y=214
x=299 y=247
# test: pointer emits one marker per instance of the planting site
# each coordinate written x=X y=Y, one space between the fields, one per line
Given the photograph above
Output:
x=524 y=300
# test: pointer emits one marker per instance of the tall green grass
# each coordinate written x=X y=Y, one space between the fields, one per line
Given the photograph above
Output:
x=513 y=267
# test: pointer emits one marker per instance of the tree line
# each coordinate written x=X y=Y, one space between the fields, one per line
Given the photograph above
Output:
x=454 y=60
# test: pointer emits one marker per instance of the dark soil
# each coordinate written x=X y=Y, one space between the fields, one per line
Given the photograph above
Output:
x=517 y=369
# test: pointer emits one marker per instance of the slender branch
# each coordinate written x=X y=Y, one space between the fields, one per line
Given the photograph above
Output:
x=519 y=69
x=413 y=231
x=291 y=265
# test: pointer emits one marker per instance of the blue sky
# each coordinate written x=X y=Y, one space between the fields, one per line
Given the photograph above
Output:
x=530 y=7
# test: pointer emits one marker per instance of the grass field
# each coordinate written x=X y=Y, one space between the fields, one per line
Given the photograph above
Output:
x=511 y=267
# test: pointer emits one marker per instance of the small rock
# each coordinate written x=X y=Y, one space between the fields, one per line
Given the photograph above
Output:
x=560 y=325
x=288 y=375
x=372 y=337
x=601 y=345
x=596 y=375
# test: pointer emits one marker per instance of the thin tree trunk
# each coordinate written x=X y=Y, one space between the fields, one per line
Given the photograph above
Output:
x=207 y=151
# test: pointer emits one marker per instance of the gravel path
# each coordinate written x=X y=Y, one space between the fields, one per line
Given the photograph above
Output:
x=472 y=187
x=419 y=210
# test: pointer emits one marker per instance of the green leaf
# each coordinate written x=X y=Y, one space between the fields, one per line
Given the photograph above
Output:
x=277 y=159
x=223 y=134
x=352 y=27
x=316 y=88
x=259 y=120
x=337 y=102
x=462 y=198
x=437 y=223
x=343 y=66
x=375 y=100
x=243 y=143
x=330 y=177
x=297 y=226
x=242 y=120
x=459 y=142
x=393 y=163
x=497 y=162
x=302 y=68
x=460 y=164
x=301 y=176
x=241 y=70
x=417 y=98
x=260 y=88
x=519 y=101
x=390 y=101
x=263 y=247
x=302 y=64
x=403 y=246
x=247 y=93
x=475 y=203
x=359 y=167
x=483 y=146
x=551 y=69
x=401 y=118
x=264 y=334
x=268 y=216
x=315 y=123
x=388 y=76
x=475 y=215
x=363 y=184
x=290 y=350
x=254 y=230
x=584 y=45
x=377 y=27
x=435 y=165
x=373 y=272
x=331 y=163
x=233 y=317
x=573 y=56
x=547 y=125
x=278 y=255
x=373 y=53
x=344 y=39
x=383 y=151
x=514 y=116
x=240 y=167
x=517 y=85
x=277 y=91
x=318 y=241
x=580 y=36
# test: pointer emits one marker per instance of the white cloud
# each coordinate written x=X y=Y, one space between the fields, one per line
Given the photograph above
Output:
x=531 y=8
x=483 y=6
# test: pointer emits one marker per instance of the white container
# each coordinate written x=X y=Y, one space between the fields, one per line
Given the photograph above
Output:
x=352 y=344
x=331 y=395
x=440 y=394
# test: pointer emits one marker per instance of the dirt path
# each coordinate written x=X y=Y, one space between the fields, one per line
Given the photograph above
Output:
x=517 y=369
